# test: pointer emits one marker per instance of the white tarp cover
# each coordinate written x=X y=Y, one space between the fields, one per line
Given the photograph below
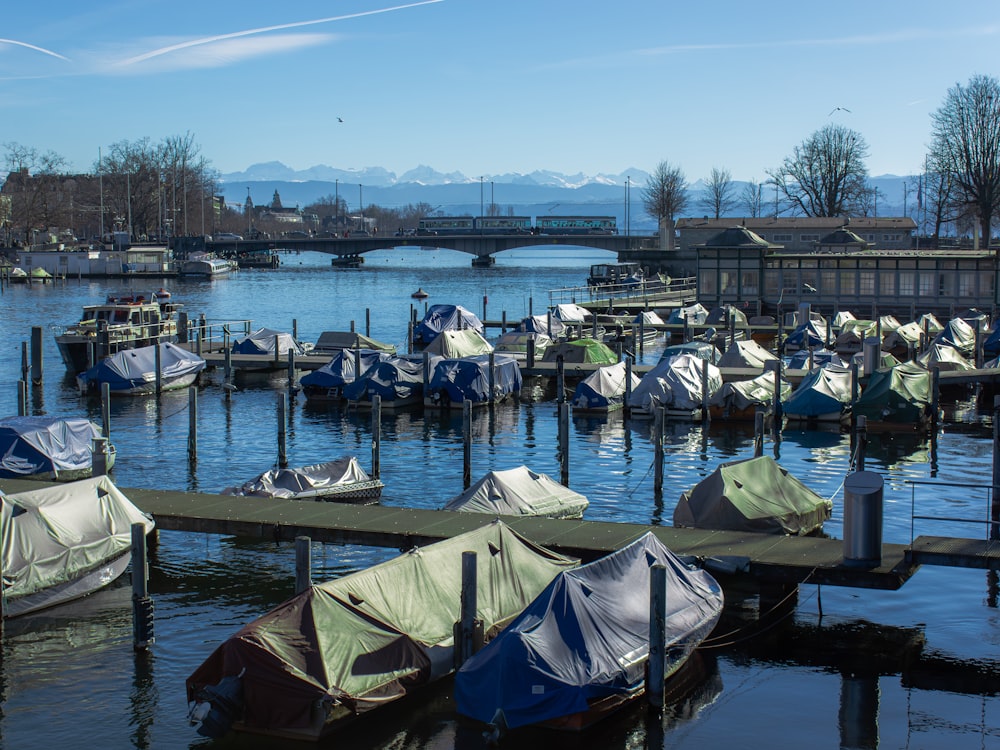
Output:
x=304 y=481
x=135 y=369
x=747 y=353
x=931 y=323
x=756 y=495
x=604 y=387
x=959 y=335
x=739 y=395
x=695 y=314
x=571 y=313
x=54 y=535
x=45 y=445
x=459 y=343
x=262 y=341
x=675 y=383
x=841 y=318
x=945 y=357
x=516 y=343
x=648 y=316
x=519 y=492
x=547 y=325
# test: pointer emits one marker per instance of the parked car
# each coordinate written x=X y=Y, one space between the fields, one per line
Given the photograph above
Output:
x=227 y=237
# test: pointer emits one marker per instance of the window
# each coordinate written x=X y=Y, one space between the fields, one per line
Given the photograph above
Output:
x=782 y=237
x=706 y=282
x=887 y=283
x=926 y=282
x=966 y=284
x=809 y=237
x=866 y=282
x=906 y=283
x=749 y=284
x=890 y=238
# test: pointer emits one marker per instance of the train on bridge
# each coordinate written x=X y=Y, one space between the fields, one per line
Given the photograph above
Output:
x=561 y=225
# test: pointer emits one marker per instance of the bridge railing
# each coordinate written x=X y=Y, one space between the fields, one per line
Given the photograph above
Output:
x=678 y=290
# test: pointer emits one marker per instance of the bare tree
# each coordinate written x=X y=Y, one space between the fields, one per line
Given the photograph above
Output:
x=966 y=144
x=752 y=198
x=665 y=196
x=39 y=199
x=826 y=173
x=718 y=197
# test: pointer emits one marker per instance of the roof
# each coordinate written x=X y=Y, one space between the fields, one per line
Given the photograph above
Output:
x=843 y=236
x=739 y=237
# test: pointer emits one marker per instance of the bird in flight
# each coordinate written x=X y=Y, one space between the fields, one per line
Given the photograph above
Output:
x=842 y=109
x=339 y=119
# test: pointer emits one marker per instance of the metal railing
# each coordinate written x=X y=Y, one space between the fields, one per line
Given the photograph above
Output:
x=653 y=288
x=215 y=335
x=987 y=520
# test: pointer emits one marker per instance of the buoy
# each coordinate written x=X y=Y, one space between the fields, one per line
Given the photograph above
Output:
x=419 y=294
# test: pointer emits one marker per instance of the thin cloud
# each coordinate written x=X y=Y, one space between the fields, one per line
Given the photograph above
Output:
x=228 y=52
x=264 y=30
x=35 y=48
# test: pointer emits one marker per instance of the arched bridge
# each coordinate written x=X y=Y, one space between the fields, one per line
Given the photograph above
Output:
x=350 y=250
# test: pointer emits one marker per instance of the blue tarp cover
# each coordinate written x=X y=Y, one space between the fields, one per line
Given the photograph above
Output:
x=340 y=369
x=134 y=368
x=395 y=379
x=44 y=445
x=468 y=378
x=444 y=317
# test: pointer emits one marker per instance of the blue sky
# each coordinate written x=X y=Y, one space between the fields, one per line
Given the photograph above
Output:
x=488 y=88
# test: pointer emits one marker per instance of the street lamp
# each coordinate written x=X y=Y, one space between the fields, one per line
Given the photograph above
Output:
x=336 y=207
x=628 y=205
x=480 y=204
x=361 y=206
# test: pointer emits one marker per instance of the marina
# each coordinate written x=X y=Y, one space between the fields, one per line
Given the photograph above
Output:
x=209 y=583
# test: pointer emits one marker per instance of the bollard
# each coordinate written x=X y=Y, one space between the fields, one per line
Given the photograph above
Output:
x=303 y=564
x=192 y=425
x=376 y=436
x=142 y=604
x=658 y=417
x=465 y=641
x=466 y=444
x=863 y=519
x=657 y=634
x=282 y=410
x=36 y=355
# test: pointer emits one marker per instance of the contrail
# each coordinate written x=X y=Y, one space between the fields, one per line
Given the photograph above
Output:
x=32 y=46
x=249 y=32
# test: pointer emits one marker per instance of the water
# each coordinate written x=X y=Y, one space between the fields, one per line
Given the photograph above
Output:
x=844 y=670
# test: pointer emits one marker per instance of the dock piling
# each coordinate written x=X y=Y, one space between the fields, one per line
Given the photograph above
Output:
x=560 y=380
x=291 y=371
x=106 y=409
x=227 y=372
x=158 y=369
x=657 y=634
x=36 y=355
x=564 y=444
x=758 y=433
x=282 y=411
x=142 y=605
x=368 y=321
x=376 y=436
x=658 y=417
x=99 y=457
x=995 y=500
x=467 y=636
x=466 y=444
x=192 y=445
x=25 y=369
x=303 y=564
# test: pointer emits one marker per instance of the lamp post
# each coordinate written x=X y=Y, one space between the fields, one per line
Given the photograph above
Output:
x=336 y=204
x=249 y=212
x=480 y=204
x=361 y=205
x=628 y=205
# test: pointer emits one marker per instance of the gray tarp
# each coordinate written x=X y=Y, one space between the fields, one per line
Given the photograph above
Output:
x=335 y=477
x=48 y=446
x=675 y=383
x=519 y=492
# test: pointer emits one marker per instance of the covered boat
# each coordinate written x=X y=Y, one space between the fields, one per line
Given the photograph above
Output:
x=332 y=342
x=945 y=357
x=132 y=372
x=706 y=350
x=481 y=379
x=755 y=495
x=342 y=480
x=741 y=399
x=800 y=360
x=695 y=314
x=580 y=351
x=64 y=542
x=746 y=354
x=48 y=448
x=959 y=335
x=515 y=343
x=398 y=381
x=905 y=340
x=460 y=343
x=897 y=395
x=345 y=647
x=580 y=650
x=444 y=318
x=604 y=389
x=810 y=333
x=823 y=395
x=676 y=385
x=327 y=382
x=267 y=341
x=519 y=492
x=547 y=325
x=569 y=312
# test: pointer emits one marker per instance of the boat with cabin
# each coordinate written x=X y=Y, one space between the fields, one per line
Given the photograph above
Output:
x=206 y=266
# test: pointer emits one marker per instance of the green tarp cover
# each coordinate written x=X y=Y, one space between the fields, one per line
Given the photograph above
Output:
x=368 y=637
x=898 y=394
x=519 y=492
x=737 y=395
x=464 y=342
x=581 y=350
x=755 y=495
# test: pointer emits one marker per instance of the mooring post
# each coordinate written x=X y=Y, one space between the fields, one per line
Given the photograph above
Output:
x=811 y=361
x=995 y=504
x=855 y=383
x=529 y=356
x=303 y=564
x=758 y=433
x=106 y=409
x=503 y=322
x=530 y=305
x=979 y=346
x=485 y=300
x=158 y=369
x=493 y=379
x=861 y=441
x=142 y=604
x=192 y=425
x=657 y=634
x=282 y=410
x=685 y=332
x=564 y=443
x=227 y=372
x=36 y=355
x=368 y=322
x=427 y=369
x=99 y=457
x=548 y=324
x=182 y=327
x=704 y=390
x=560 y=380
x=466 y=444
x=376 y=436
x=642 y=335
x=775 y=365
x=409 y=337
x=628 y=384
x=467 y=610
x=22 y=398
x=291 y=371
x=593 y=326
x=25 y=368
x=277 y=350
x=935 y=392
x=295 y=329
x=658 y=417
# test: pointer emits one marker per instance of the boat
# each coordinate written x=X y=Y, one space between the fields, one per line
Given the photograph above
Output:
x=676 y=384
x=64 y=542
x=480 y=379
x=515 y=344
x=122 y=321
x=696 y=314
x=332 y=342
x=444 y=318
x=580 y=351
x=343 y=648
x=40 y=275
x=398 y=382
x=740 y=400
x=18 y=276
x=755 y=495
x=132 y=372
x=945 y=358
x=327 y=382
x=746 y=354
x=341 y=480
x=519 y=492
x=615 y=274
x=463 y=342
x=705 y=350
x=959 y=335
x=896 y=396
x=271 y=346
x=548 y=325
x=579 y=651
x=823 y=395
x=604 y=390
x=49 y=448
x=819 y=357
x=420 y=293
x=206 y=266
x=812 y=333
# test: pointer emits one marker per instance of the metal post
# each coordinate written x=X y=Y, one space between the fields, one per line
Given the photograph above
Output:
x=182 y=328
x=466 y=444
x=642 y=335
x=704 y=390
x=529 y=357
x=227 y=371
x=564 y=443
x=22 y=398
x=376 y=436
x=775 y=365
x=368 y=322
x=935 y=392
x=106 y=409
x=282 y=411
x=758 y=434
x=493 y=378
x=657 y=634
x=99 y=457
x=861 y=441
x=409 y=337
x=295 y=329
x=36 y=355
x=277 y=350
x=192 y=425
x=485 y=300
x=427 y=370
x=467 y=617
x=658 y=417
x=995 y=502
x=628 y=384
x=560 y=380
x=352 y=327
x=158 y=368
x=25 y=369
x=303 y=564
x=503 y=322
x=291 y=370
x=142 y=604
x=530 y=305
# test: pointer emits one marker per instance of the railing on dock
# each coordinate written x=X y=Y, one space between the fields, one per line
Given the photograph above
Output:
x=988 y=520
x=215 y=335
x=648 y=290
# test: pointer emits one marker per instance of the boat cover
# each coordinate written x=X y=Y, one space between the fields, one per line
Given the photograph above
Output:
x=723 y=317
x=516 y=342
x=695 y=314
x=604 y=388
x=459 y=343
x=340 y=369
x=546 y=325
x=395 y=379
x=571 y=313
x=444 y=318
x=841 y=318
x=648 y=316
x=370 y=637
x=823 y=390
x=810 y=333
x=906 y=336
x=704 y=349
x=585 y=350
x=45 y=445
x=897 y=394
x=959 y=335
x=888 y=324
x=931 y=323
x=756 y=495
x=675 y=383
x=747 y=354
x=54 y=535
x=586 y=637
x=468 y=378
x=740 y=395
x=519 y=492
x=329 y=342
x=991 y=346
x=329 y=478
x=130 y=369
x=262 y=341
x=945 y=357
x=820 y=357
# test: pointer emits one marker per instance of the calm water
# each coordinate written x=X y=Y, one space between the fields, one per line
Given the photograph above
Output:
x=848 y=668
